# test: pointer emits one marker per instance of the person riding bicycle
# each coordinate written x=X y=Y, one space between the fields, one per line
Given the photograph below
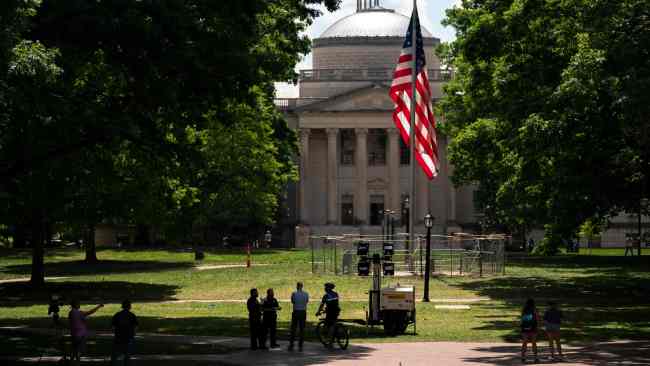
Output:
x=332 y=309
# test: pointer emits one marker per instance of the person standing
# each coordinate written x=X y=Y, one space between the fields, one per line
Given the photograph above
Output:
x=124 y=324
x=529 y=326
x=255 y=320
x=79 y=329
x=299 y=299
x=270 y=307
x=552 y=321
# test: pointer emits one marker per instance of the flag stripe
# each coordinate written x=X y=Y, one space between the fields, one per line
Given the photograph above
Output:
x=426 y=144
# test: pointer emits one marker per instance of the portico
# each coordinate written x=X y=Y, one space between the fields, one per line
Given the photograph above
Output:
x=353 y=163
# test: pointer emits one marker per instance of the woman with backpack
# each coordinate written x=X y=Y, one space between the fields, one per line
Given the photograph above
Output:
x=529 y=322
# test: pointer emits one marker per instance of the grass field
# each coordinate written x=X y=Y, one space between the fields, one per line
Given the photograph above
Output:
x=604 y=295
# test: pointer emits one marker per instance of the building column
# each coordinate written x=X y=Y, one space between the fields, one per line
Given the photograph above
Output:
x=332 y=176
x=304 y=174
x=361 y=162
x=393 y=170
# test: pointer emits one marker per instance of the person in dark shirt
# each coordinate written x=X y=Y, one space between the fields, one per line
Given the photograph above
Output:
x=124 y=324
x=270 y=307
x=330 y=303
x=552 y=321
x=255 y=321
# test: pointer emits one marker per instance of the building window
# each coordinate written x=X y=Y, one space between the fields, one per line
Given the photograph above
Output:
x=377 y=138
x=404 y=153
x=347 y=146
x=476 y=203
x=347 y=209
x=376 y=209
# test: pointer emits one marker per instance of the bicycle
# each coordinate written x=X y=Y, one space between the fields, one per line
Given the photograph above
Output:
x=341 y=334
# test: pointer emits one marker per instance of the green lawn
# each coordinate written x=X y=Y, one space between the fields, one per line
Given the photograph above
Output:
x=604 y=296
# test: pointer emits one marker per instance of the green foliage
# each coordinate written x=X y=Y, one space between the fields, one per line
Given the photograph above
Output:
x=548 y=112
x=126 y=110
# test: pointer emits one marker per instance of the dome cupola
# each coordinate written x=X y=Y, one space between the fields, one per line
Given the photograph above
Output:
x=371 y=21
x=371 y=38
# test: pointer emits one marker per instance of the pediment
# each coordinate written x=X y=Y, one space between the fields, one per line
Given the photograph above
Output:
x=377 y=183
x=369 y=98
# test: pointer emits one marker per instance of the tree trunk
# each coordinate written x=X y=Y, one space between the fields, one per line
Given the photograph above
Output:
x=20 y=241
x=38 y=265
x=89 y=241
x=142 y=234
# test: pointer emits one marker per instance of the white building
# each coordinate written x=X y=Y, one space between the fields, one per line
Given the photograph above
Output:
x=353 y=164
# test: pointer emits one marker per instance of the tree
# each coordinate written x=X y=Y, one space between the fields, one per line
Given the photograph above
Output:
x=548 y=112
x=100 y=94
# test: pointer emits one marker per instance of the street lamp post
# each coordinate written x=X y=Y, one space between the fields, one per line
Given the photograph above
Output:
x=267 y=238
x=642 y=203
x=383 y=224
x=406 y=216
x=428 y=222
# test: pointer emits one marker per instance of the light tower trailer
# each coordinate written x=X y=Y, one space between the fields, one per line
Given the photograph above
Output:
x=394 y=307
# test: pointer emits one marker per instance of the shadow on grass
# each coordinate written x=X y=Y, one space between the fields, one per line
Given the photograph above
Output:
x=22 y=294
x=190 y=326
x=208 y=326
x=80 y=268
x=597 y=264
x=26 y=253
x=635 y=353
x=25 y=344
x=606 y=299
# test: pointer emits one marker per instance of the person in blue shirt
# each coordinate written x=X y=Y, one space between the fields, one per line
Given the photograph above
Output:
x=299 y=299
x=330 y=303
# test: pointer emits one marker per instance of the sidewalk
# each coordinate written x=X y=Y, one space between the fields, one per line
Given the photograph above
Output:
x=631 y=353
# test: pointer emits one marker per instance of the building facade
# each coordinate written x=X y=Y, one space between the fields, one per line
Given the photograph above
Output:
x=353 y=164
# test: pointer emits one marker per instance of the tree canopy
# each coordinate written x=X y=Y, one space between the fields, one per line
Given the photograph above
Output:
x=549 y=113
x=145 y=110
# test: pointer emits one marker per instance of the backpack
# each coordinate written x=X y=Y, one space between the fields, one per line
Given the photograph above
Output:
x=528 y=322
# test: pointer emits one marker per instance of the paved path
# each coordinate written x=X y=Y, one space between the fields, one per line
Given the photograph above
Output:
x=226 y=266
x=26 y=279
x=439 y=353
x=631 y=353
x=18 y=301
x=400 y=354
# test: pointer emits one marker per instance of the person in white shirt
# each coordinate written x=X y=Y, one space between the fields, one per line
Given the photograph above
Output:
x=299 y=299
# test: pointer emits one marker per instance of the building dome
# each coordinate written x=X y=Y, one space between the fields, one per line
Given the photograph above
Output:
x=375 y=22
x=370 y=39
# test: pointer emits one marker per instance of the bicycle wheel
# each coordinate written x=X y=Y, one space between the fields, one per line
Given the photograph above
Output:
x=342 y=335
x=321 y=332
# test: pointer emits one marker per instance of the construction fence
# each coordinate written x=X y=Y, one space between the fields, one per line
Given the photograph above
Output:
x=457 y=255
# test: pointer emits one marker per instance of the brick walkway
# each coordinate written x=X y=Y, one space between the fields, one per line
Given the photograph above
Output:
x=632 y=353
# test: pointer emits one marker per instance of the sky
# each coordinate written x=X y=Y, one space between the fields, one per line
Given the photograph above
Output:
x=431 y=14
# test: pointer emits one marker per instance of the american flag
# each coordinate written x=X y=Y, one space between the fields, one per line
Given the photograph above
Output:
x=426 y=144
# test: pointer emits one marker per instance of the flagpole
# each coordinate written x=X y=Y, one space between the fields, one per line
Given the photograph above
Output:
x=411 y=241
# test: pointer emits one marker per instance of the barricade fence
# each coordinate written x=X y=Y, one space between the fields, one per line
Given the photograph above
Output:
x=458 y=255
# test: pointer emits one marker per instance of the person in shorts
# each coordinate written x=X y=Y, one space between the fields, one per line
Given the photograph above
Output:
x=330 y=304
x=552 y=321
x=529 y=328
x=124 y=324
x=79 y=329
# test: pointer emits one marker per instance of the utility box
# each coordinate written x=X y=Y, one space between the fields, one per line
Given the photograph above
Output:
x=397 y=298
